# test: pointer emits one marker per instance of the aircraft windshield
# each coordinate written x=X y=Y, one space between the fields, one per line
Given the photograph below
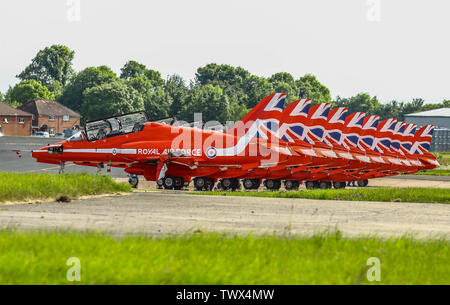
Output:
x=76 y=137
x=115 y=126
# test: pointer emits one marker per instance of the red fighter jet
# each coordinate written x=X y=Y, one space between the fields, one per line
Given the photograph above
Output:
x=159 y=151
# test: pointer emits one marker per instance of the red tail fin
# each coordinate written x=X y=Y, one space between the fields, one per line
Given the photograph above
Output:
x=264 y=109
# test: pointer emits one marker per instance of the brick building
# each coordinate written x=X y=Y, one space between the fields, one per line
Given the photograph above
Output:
x=14 y=122
x=51 y=116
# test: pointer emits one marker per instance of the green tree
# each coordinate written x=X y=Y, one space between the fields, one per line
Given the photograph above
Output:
x=72 y=96
x=50 y=65
x=230 y=79
x=362 y=102
x=1 y=97
x=134 y=69
x=177 y=90
x=157 y=104
x=256 y=88
x=284 y=82
x=221 y=75
x=28 y=90
x=309 y=87
x=416 y=105
x=110 y=99
x=209 y=100
x=393 y=109
x=236 y=111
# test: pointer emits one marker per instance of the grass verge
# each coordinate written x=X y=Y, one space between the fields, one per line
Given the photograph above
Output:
x=41 y=258
x=423 y=195
x=435 y=172
x=19 y=187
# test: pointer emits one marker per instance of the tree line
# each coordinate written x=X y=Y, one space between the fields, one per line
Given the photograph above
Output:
x=219 y=92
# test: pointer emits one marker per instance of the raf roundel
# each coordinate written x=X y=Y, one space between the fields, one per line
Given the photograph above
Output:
x=211 y=152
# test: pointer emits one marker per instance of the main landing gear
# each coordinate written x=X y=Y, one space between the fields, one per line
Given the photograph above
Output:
x=362 y=183
x=310 y=185
x=61 y=167
x=323 y=185
x=133 y=180
x=291 y=185
x=229 y=184
x=339 y=184
x=272 y=184
x=202 y=183
x=172 y=183
x=251 y=184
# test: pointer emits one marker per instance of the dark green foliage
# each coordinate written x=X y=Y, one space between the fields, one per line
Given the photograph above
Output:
x=28 y=90
x=49 y=65
x=110 y=99
x=88 y=78
x=134 y=69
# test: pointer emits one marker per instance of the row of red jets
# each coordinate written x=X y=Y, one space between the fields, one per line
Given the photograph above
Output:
x=320 y=146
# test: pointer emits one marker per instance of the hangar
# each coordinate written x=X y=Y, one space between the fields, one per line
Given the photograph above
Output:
x=439 y=118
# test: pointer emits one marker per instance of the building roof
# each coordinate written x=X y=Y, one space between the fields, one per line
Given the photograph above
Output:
x=6 y=109
x=441 y=112
x=48 y=107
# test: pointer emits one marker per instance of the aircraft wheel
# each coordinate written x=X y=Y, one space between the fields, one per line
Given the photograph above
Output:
x=273 y=184
x=235 y=184
x=226 y=183
x=295 y=185
x=209 y=184
x=310 y=185
x=169 y=182
x=339 y=184
x=248 y=184
x=269 y=184
x=160 y=183
x=366 y=182
x=256 y=183
x=290 y=185
x=323 y=185
x=179 y=183
x=134 y=181
x=360 y=183
x=199 y=183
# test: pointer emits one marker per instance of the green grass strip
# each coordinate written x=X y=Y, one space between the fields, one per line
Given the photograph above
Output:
x=213 y=258
x=422 y=195
x=435 y=172
x=17 y=186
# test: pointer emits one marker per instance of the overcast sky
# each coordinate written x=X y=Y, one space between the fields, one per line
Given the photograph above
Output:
x=394 y=49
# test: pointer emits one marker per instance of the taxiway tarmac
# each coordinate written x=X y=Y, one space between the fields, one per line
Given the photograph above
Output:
x=169 y=212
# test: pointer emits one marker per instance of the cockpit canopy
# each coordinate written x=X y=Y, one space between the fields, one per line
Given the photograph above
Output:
x=115 y=126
